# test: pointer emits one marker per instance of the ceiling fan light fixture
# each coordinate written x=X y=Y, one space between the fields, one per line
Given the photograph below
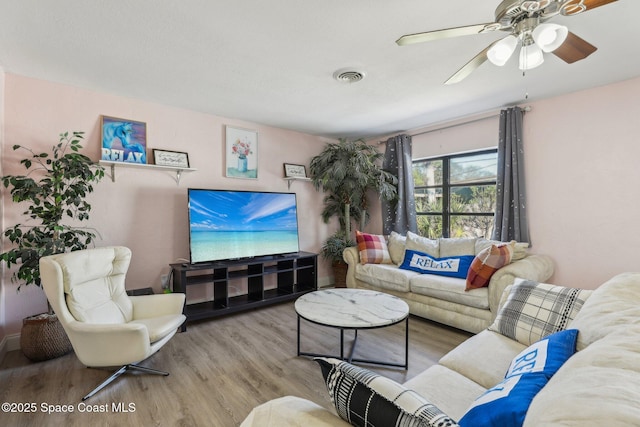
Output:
x=500 y=52
x=530 y=57
x=549 y=37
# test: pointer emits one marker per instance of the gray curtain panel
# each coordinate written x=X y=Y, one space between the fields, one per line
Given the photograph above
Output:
x=511 y=221
x=400 y=215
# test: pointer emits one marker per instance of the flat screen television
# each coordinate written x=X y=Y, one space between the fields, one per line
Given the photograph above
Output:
x=226 y=224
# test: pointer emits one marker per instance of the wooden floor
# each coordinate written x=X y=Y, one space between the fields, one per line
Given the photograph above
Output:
x=220 y=369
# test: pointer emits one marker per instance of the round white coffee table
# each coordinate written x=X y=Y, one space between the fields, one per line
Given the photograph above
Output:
x=353 y=309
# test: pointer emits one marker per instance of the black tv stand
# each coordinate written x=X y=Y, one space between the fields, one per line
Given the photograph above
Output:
x=295 y=273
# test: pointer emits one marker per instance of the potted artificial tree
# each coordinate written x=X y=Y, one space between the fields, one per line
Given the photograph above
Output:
x=54 y=189
x=346 y=171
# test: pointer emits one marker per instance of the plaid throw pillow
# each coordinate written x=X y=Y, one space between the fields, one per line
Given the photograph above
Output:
x=366 y=399
x=534 y=310
x=372 y=248
x=487 y=262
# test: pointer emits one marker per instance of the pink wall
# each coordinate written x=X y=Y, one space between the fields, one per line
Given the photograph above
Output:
x=581 y=165
x=2 y=288
x=582 y=154
x=145 y=209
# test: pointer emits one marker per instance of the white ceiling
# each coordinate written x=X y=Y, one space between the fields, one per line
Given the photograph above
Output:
x=272 y=62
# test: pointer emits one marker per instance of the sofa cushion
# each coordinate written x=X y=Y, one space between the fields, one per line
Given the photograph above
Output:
x=486 y=263
x=422 y=244
x=613 y=306
x=598 y=386
x=450 y=391
x=396 y=245
x=507 y=403
x=372 y=249
x=453 y=266
x=291 y=411
x=385 y=276
x=534 y=310
x=483 y=358
x=450 y=289
x=457 y=246
x=364 y=398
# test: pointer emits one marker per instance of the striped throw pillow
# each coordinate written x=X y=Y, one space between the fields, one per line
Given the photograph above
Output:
x=366 y=399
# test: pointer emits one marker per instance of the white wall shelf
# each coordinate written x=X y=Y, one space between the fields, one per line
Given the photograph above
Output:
x=178 y=171
x=295 y=178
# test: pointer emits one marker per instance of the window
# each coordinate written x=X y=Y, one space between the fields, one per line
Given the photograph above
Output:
x=456 y=195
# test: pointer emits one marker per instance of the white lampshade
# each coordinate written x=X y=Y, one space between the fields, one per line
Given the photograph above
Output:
x=500 y=52
x=530 y=57
x=549 y=36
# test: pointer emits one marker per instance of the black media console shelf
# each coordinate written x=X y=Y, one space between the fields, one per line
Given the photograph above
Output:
x=296 y=274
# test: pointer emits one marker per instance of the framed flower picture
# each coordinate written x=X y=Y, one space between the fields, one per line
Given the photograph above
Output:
x=241 y=153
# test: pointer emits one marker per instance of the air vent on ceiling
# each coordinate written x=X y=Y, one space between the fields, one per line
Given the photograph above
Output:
x=348 y=75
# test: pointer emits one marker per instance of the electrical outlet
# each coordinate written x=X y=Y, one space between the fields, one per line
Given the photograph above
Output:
x=164 y=281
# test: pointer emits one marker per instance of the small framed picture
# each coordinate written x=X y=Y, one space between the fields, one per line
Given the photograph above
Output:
x=176 y=159
x=294 y=171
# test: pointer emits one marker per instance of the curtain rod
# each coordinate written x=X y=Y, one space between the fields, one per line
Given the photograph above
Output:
x=463 y=121
x=458 y=122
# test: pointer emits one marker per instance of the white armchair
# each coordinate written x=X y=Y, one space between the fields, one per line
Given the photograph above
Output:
x=107 y=327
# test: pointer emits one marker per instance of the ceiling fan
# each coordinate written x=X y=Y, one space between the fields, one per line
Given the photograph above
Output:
x=526 y=22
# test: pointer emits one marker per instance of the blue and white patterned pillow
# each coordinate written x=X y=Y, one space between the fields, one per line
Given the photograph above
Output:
x=453 y=266
x=366 y=399
x=506 y=404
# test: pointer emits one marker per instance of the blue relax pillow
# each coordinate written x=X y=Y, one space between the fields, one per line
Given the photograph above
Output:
x=453 y=266
x=506 y=404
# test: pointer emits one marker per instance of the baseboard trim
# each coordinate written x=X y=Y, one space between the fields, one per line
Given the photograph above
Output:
x=325 y=282
x=9 y=343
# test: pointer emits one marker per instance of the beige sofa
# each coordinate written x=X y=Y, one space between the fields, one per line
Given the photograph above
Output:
x=599 y=385
x=444 y=299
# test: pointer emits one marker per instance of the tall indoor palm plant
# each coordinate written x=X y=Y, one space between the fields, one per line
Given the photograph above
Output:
x=347 y=171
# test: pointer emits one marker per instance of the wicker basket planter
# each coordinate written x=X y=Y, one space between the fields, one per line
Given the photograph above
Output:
x=43 y=338
x=340 y=273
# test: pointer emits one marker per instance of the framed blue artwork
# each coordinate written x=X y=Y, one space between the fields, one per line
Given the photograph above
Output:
x=124 y=140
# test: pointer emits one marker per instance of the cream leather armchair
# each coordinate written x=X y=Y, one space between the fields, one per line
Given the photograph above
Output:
x=106 y=327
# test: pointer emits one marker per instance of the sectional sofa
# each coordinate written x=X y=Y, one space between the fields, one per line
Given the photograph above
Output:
x=599 y=385
x=440 y=298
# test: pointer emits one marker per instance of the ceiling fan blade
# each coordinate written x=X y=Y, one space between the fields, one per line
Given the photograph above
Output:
x=445 y=34
x=574 y=49
x=574 y=7
x=470 y=66
x=592 y=4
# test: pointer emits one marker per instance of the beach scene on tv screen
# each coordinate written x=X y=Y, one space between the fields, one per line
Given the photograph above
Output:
x=230 y=224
